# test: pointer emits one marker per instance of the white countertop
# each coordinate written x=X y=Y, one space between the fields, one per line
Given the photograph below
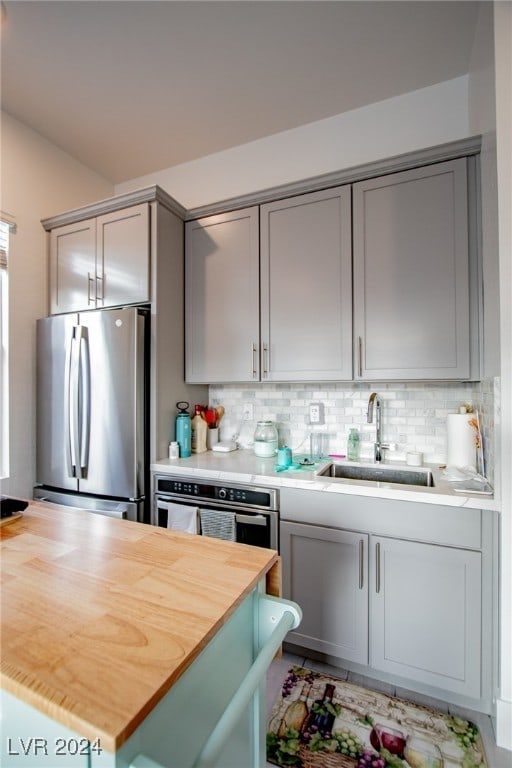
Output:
x=242 y=466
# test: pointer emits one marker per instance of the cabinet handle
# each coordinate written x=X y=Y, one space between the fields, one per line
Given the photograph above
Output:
x=361 y=563
x=89 y=281
x=100 y=297
x=377 y=568
x=360 y=356
x=265 y=360
x=253 y=361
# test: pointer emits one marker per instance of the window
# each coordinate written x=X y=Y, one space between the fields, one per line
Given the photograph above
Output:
x=7 y=226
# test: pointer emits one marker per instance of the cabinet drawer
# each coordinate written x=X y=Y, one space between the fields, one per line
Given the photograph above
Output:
x=449 y=526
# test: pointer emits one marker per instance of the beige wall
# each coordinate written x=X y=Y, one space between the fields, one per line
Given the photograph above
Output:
x=490 y=114
x=503 y=69
x=37 y=180
x=482 y=120
x=405 y=123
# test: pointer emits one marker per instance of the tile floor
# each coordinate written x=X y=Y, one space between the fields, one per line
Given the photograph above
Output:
x=496 y=757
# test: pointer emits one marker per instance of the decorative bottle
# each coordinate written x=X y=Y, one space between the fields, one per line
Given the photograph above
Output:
x=199 y=428
x=353 y=445
x=296 y=714
x=323 y=712
x=183 y=429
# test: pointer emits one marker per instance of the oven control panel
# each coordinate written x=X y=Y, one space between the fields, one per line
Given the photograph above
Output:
x=245 y=496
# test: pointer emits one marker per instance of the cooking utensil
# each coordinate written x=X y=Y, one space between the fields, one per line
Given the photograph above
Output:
x=211 y=418
x=219 y=413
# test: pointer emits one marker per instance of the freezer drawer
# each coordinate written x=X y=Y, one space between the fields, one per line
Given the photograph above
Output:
x=128 y=510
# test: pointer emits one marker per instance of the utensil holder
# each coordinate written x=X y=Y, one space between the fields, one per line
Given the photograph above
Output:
x=212 y=437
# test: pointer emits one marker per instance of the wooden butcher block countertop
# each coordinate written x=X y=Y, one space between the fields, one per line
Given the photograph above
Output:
x=100 y=617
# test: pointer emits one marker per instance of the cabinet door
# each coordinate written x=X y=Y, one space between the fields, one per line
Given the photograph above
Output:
x=411 y=289
x=222 y=297
x=122 y=263
x=325 y=572
x=72 y=267
x=306 y=287
x=425 y=613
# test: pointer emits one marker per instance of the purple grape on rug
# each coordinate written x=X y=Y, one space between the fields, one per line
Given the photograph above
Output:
x=323 y=722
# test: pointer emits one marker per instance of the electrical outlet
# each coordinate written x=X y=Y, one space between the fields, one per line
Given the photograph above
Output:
x=248 y=412
x=316 y=413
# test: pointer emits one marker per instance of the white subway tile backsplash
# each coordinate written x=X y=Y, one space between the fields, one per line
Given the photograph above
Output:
x=413 y=415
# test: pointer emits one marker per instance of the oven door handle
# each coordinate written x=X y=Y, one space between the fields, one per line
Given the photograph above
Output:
x=251 y=519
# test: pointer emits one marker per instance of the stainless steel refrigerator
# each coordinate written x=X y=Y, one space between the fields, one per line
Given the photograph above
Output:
x=92 y=411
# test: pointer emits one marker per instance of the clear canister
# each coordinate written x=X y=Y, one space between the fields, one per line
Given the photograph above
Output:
x=265 y=439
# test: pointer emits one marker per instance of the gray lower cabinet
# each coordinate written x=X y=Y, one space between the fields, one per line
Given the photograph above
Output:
x=425 y=604
x=411 y=274
x=306 y=287
x=326 y=572
x=408 y=609
x=222 y=301
x=101 y=262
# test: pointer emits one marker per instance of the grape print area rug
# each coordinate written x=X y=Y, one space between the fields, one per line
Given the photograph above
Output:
x=322 y=722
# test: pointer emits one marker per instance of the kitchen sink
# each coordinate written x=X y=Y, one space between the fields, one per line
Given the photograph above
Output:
x=379 y=473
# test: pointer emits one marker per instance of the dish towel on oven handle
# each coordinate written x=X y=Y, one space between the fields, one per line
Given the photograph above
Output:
x=218 y=524
x=181 y=517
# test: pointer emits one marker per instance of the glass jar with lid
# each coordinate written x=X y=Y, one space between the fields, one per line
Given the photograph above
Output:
x=265 y=439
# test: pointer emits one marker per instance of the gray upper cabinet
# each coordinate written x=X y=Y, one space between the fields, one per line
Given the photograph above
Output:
x=306 y=287
x=100 y=262
x=411 y=275
x=374 y=280
x=222 y=297
x=73 y=267
x=122 y=256
x=268 y=292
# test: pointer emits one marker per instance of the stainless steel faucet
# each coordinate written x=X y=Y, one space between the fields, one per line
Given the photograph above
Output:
x=378 y=446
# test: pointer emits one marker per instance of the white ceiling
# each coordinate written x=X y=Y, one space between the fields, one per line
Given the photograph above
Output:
x=129 y=88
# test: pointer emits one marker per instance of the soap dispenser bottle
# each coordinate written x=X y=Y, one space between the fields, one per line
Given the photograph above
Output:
x=353 y=445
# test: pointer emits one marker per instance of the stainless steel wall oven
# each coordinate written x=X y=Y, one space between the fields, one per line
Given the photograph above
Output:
x=243 y=513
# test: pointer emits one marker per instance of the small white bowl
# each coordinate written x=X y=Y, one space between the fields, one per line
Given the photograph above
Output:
x=414 y=459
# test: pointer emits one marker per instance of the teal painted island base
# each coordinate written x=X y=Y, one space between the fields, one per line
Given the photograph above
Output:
x=214 y=715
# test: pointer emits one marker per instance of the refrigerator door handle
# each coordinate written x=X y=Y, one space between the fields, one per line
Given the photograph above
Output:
x=72 y=402
x=85 y=400
x=67 y=406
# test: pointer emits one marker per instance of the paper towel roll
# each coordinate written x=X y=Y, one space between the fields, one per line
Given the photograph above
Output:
x=461 y=440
